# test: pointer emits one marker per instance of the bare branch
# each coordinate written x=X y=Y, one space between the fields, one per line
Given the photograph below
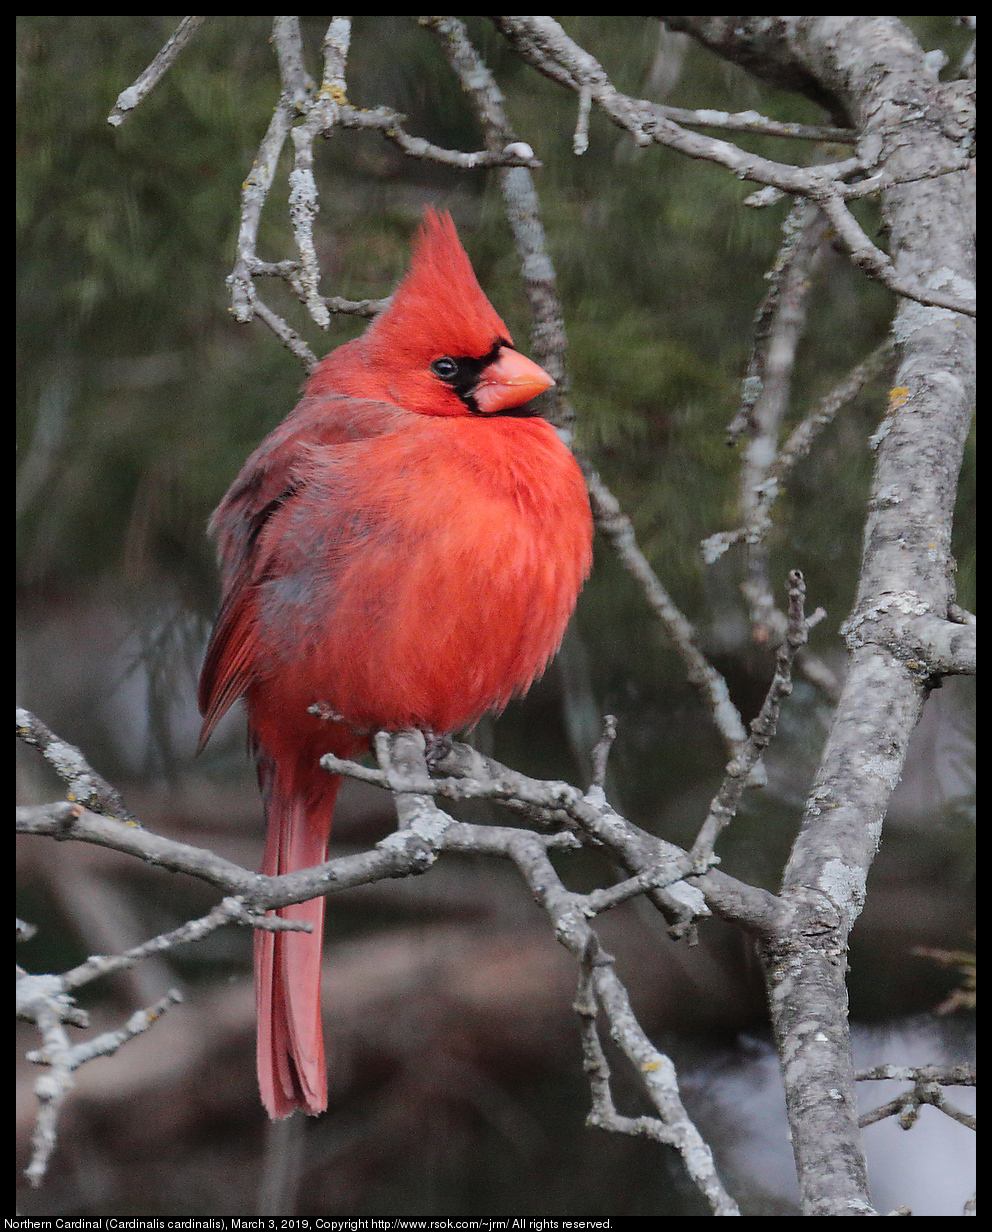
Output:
x=322 y=111
x=928 y=1083
x=905 y=575
x=336 y=43
x=655 y=1070
x=782 y=309
x=108 y=1042
x=472 y=776
x=874 y=261
x=797 y=447
x=658 y=1076
x=926 y=643
x=289 y=337
x=765 y=396
x=651 y=859
x=725 y=803
x=229 y=910
x=402 y=757
x=782 y=320
x=614 y=524
x=128 y=99
x=42 y=999
x=542 y=42
x=947 y=1075
x=601 y=753
x=304 y=205
x=390 y=124
x=960 y=615
x=753 y=122
x=85 y=786
x=288 y=42
x=285 y=36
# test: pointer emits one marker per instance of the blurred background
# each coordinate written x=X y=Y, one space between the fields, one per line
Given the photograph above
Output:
x=456 y=1086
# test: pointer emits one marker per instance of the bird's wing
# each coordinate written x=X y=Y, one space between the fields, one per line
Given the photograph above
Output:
x=272 y=480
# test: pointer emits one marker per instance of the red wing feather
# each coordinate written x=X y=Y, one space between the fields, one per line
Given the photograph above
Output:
x=272 y=477
x=227 y=669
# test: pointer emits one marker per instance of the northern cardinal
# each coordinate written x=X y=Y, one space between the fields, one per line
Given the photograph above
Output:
x=403 y=551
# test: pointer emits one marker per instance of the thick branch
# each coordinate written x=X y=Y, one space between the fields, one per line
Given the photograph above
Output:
x=906 y=575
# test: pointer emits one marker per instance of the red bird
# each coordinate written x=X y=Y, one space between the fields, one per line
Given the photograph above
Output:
x=403 y=551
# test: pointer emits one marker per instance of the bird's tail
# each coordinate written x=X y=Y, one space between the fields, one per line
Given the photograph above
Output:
x=291 y=1070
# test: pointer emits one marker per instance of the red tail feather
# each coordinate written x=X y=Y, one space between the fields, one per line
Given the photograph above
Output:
x=291 y=1070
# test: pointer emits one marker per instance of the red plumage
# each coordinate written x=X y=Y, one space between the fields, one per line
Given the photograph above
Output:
x=404 y=550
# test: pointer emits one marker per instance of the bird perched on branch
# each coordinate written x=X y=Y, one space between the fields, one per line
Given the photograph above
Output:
x=403 y=551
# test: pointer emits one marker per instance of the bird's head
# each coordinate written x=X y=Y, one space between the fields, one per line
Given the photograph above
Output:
x=440 y=348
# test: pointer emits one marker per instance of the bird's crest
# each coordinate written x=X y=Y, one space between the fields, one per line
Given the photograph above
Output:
x=439 y=307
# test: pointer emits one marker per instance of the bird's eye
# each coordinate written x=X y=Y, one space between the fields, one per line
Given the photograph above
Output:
x=445 y=368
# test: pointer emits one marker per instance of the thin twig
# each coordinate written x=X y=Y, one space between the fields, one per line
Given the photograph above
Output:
x=660 y=1081
x=874 y=261
x=601 y=751
x=230 y=910
x=725 y=803
x=289 y=337
x=108 y=1042
x=304 y=203
x=754 y=122
x=802 y=235
x=928 y=1083
x=603 y=1113
x=580 y=142
x=796 y=448
x=255 y=189
x=781 y=323
x=128 y=99
x=618 y=529
x=40 y=999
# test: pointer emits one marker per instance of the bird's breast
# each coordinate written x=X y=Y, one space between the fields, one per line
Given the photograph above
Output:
x=428 y=575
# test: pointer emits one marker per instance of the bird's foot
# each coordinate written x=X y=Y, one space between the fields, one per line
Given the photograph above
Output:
x=438 y=748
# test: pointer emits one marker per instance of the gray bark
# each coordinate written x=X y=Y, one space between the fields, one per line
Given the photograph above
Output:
x=898 y=633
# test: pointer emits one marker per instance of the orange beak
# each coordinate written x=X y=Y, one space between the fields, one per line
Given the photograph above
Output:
x=511 y=381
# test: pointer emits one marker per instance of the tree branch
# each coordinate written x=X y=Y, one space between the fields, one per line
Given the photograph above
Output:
x=128 y=99
x=542 y=42
x=928 y=1083
x=726 y=802
x=85 y=786
x=425 y=832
